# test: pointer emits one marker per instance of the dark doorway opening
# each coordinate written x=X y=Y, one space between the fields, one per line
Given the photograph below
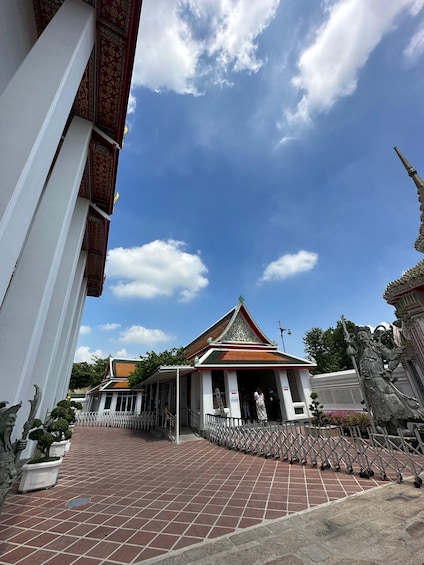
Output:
x=248 y=380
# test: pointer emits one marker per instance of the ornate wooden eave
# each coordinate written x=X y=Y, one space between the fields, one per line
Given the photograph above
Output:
x=95 y=243
x=102 y=98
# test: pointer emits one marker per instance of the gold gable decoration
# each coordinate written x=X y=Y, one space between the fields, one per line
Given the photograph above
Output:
x=240 y=330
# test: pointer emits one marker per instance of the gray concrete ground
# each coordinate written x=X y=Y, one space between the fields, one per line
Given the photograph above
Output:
x=382 y=526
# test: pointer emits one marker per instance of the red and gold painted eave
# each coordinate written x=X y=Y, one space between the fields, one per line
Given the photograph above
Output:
x=102 y=98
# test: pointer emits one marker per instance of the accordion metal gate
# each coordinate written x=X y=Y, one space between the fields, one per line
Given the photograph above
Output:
x=327 y=447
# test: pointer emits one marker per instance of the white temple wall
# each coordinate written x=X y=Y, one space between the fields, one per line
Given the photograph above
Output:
x=341 y=390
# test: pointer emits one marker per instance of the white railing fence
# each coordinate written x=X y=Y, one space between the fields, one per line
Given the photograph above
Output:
x=143 y=421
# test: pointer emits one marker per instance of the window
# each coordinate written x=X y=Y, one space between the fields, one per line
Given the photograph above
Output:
x=125 y=402
x=108 y=401
x=294 y=388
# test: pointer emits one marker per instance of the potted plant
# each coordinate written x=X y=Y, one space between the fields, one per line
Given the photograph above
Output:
x=65 y=409
x=42 y=470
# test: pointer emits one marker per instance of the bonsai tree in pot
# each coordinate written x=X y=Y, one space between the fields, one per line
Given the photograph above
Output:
x=45 y=436
x=42 y=470
x=66 y=409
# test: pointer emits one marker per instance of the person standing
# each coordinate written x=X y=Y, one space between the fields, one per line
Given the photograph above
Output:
x=260 y=406
x=245 y=407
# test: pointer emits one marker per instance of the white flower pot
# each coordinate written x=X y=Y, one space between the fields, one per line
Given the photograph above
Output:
x=36 y=476
x=57 y=449
x=68 y=445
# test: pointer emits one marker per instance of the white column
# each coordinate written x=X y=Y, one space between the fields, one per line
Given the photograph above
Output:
x=206 y=396
x=58 y=316
x=73 y=325
x=113 y=403
x=287 y=398
x=69 y=166
x=102 y=401
x=25 y=307
x=177 y=407
x=232 y=393
x=305 y=382
x=34 y=108
x=279 y=387
x=138 y=402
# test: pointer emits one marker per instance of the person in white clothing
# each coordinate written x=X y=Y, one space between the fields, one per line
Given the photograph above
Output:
x=260 y=405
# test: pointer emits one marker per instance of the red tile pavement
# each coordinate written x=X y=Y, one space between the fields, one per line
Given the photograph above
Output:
x=148 y=496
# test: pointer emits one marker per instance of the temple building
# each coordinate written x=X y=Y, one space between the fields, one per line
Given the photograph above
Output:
x=113 y=394
x=65 y=72
x=407 y=296
x=225 y=365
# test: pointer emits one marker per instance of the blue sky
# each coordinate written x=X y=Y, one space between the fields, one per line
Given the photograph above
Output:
x=259 y=162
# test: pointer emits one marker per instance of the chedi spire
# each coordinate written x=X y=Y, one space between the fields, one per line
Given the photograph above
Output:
x=419 y=242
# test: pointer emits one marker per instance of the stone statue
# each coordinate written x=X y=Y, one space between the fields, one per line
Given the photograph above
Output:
x=10 y=452
x=375 y=360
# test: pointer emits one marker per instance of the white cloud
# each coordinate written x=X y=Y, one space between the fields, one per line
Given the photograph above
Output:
x=85 y=330
x=109 y=327
x=145 y=336
x=84 y=355
x=415 y=47
x=183 y=41
x=159 y=268
x=328 y=68
x=289 y=265
x=122 y=353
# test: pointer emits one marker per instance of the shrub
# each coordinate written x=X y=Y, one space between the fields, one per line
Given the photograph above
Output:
x=319 y=417
x=348 y=418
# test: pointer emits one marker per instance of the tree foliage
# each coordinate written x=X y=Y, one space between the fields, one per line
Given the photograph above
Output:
x=151 y=361
x=88 y=374
x=328 y=348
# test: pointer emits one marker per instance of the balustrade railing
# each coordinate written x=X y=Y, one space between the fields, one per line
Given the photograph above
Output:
x=143 y=421
x=325 y=447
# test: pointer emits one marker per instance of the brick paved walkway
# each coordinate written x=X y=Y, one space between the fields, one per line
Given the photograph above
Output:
x=147 y=496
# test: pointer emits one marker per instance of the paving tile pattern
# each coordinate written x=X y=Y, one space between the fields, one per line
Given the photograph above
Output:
x=147 y=497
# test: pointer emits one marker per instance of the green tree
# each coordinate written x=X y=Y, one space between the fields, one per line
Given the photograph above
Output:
x=328 y=348
x=88 y=374
x=151 y=361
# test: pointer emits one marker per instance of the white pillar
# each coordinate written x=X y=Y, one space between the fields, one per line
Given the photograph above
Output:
x=177 y=407
x=287 y=398
x=34 y=109
x=70 y=336
x=305 y=382
x=138 y=402
x=58 y=316
x=102 y=401
x=206 y=396
x=60 y=319
x=232 y=393
x=65 y=179
x=25 y=307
